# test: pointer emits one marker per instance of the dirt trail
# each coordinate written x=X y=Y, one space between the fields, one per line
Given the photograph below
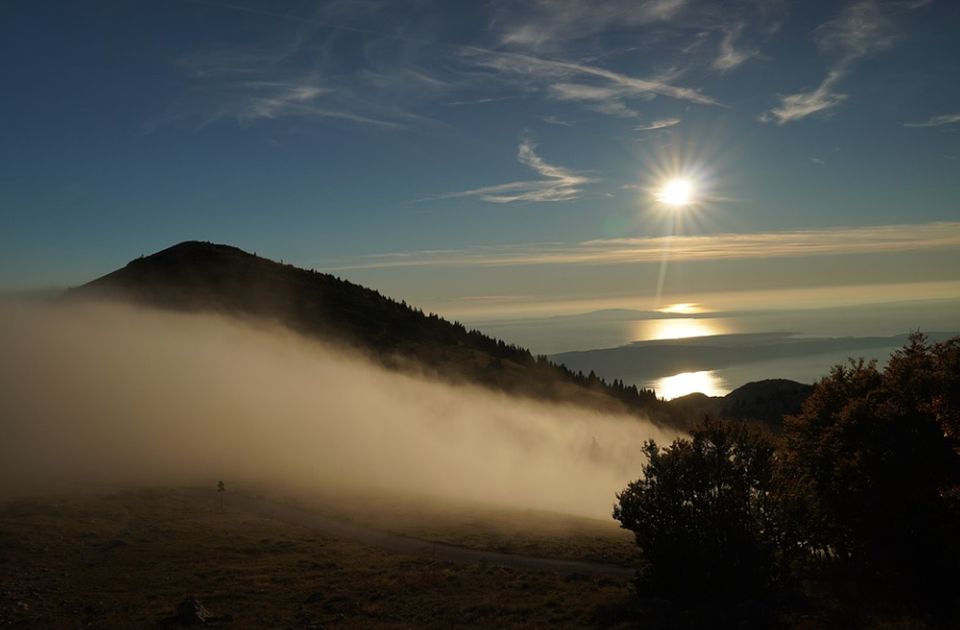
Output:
x=414 y=546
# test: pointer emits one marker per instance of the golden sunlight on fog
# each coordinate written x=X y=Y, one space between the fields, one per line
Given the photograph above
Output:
x=95 y=393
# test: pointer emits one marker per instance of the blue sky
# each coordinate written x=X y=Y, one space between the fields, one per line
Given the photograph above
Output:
x=493 y=158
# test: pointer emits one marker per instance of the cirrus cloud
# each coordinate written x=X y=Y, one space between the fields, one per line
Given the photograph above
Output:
x=558 y=183
x=859 y=31
x=936 y=121
x=944 y=235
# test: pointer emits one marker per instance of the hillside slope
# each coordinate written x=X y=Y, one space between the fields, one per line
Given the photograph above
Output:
x=196 y=276
x=765 y=401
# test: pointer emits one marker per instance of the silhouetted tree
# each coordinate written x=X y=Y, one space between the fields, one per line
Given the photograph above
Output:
x=874 y=458
x=704 y=512
x=860 y=493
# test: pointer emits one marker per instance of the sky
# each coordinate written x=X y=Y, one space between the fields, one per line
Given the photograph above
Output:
x=493 y=159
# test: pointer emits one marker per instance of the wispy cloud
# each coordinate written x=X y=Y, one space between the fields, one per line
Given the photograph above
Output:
x=554 y=120
x=558 y=183
x=724 y=34
x=729 y=55
x=878 y=239
x=606 y=100
x=277 y=98
x=936 y=121
x=547 y=24
x=481 y=101
x=250 y=101
x=862 y=29
x=567 y=80
x=292 y=64
x=253 y=84
x=802 y=104
x=663 y=123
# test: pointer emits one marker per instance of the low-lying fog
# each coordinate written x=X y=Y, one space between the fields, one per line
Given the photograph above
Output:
x=105 y=393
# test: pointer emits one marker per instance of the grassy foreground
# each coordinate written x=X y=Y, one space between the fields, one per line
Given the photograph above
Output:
x=127 y=560
x=481 y=525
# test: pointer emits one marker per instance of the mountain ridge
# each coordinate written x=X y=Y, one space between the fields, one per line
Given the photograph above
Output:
x=765 y=401
x=204 y=276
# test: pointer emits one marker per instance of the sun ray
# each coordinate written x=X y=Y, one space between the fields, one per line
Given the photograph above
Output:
x=682 y=191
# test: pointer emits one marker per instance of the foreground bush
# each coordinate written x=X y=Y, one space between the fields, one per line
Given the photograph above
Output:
x=704 y=513
x=861 y=492
x=874 y=456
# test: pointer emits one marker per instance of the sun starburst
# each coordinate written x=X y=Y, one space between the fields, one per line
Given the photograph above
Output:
x=677 y=192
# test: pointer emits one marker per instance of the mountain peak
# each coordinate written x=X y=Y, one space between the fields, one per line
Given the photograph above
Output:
x=200 y=246
x=203 y=276
x=194 y=252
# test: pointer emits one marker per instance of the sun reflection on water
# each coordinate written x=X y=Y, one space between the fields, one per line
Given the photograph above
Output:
x=706 y=382
x=678 y=328
x=683 y=308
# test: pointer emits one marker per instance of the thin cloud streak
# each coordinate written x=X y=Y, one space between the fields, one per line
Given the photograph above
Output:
x=859 y=31
x=936 y=121
x=559 y=183
x=555 y=22
x=802 y=104
x=246 y=87
x=602 y=99
x=760 y=299
x=554 y=120
x=271 y=100
x=556 y=72
x=562 y=27
x=658 y=124
x=295 y=71
x=481 y=101
x=729 y=56
x=877 y=239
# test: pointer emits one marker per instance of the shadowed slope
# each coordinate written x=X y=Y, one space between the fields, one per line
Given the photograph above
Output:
x=766 y=401
x=195 y=276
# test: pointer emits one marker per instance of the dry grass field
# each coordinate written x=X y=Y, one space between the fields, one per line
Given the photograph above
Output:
x=482 y=526
x=127 y=559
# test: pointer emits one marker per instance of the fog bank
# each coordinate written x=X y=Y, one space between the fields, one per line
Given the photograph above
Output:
x=105 y=393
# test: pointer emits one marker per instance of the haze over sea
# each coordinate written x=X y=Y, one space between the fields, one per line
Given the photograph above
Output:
x=871 y=331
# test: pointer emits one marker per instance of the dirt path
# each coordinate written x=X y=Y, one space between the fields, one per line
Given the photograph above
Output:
x=414 y=546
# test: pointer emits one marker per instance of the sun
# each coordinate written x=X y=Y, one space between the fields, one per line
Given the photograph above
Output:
x=676 y=192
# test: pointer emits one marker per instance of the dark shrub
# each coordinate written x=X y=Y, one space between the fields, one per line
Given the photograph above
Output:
x=874 y=458
x=704 y=512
